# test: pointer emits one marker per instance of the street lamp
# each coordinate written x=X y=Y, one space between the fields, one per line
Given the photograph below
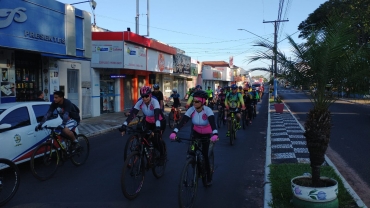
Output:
x=93 y=6
x=92 y=3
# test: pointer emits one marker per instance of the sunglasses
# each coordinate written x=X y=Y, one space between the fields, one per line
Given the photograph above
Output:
x=144 y=96
x=196 y=101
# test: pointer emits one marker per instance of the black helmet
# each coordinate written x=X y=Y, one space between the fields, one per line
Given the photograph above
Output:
x=198 y=87
x=200 y=94
x=156 y=86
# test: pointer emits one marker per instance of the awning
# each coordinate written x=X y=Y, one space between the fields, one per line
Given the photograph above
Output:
x=65 y=57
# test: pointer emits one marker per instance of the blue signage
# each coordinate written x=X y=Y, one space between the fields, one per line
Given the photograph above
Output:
x=37 y=25
x=116 y=76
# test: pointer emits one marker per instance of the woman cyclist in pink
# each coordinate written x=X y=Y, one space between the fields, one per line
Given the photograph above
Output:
x=154 y=118
x=204 y=125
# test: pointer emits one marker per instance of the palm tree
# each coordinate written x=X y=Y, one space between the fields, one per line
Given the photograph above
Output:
x=327 y=57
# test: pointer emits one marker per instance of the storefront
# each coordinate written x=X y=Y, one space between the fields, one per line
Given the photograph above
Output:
x=182 y=73
x=31 y=57
x=211 y=77
x=137 y=61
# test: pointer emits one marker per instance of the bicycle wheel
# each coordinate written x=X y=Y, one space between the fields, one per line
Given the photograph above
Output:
x=9 y=180
x=158 y=170
x=232 y=133
x=243 y=120
x=80 y=155
x=219 y=120
x=171 y=121
x=133 y=174
x=132 y=144
x=188 y=184
x=44 y=161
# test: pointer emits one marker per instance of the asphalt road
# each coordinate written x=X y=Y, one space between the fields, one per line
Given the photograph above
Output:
x=350 y=138
x=237 y=181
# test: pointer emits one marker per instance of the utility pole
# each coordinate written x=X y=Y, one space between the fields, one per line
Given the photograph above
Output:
x=275 y=52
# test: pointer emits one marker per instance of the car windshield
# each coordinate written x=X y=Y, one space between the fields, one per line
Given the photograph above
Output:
x=2 y=110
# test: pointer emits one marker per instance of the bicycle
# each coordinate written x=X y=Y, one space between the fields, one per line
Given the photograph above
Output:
x=142 y=159
x=232 y=125
x=221 y=117
x=174 y=117
x=46 y=156
x=9 y=180
x=132 y=142
x=194 y=169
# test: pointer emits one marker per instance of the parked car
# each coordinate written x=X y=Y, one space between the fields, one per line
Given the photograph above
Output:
x=18 y=120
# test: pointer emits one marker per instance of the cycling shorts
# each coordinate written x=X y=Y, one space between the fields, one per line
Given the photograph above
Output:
x=71 y=124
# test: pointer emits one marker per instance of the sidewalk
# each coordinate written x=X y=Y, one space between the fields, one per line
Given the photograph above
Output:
x=287 y=144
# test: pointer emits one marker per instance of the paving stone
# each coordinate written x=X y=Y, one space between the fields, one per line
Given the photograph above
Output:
x=299 y=143
x=300 y=150
x=283 y=155
x=275 y=146
x=279 y=134
x=280 y=139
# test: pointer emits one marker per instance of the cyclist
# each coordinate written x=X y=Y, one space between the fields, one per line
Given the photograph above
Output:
x=154 y=118
x=240 y=89
x=209 y=92
x=159 y=95
x=204 y=123
x=255 y=97
x=221 y=100
x=188 y=93
x=68 y=112
x=218 y=90
x=233 y=101
x=176 y=100
x=190 y=99
x=248 y=104
x=227 y=90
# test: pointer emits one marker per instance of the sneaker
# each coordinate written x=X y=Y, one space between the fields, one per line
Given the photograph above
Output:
x=228 y=133
x=75 y=146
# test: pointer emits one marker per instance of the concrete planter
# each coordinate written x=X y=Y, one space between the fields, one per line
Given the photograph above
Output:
x=305 y=196
x=279 y=107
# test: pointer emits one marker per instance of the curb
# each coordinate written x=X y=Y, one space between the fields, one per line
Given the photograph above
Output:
x=267 y=183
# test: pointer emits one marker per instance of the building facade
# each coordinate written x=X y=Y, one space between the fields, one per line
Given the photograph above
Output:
x=122 y=62
x=48 y=53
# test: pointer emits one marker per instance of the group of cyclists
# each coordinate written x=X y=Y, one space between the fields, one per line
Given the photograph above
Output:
x=198 y=111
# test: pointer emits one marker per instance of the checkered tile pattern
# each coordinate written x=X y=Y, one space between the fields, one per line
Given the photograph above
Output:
x=288 y=145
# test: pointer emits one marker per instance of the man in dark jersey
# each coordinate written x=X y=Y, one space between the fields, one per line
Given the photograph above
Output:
x=159 y=95
x=68 y=112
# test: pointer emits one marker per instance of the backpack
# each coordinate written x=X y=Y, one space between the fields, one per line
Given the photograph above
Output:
x=75 y=113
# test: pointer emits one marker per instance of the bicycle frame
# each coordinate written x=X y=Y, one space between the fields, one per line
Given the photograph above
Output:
x=145 y=146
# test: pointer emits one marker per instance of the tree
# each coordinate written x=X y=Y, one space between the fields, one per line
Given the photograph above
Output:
x=358 y=12
x=328 y=56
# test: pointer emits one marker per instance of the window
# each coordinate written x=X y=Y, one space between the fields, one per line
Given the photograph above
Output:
x=17 y=118
x=40 y=111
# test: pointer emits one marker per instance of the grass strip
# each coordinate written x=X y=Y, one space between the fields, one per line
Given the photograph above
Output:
x=281 y=174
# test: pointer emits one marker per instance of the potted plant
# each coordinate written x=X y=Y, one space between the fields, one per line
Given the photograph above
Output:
x=279 y=105
x=330 y=55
